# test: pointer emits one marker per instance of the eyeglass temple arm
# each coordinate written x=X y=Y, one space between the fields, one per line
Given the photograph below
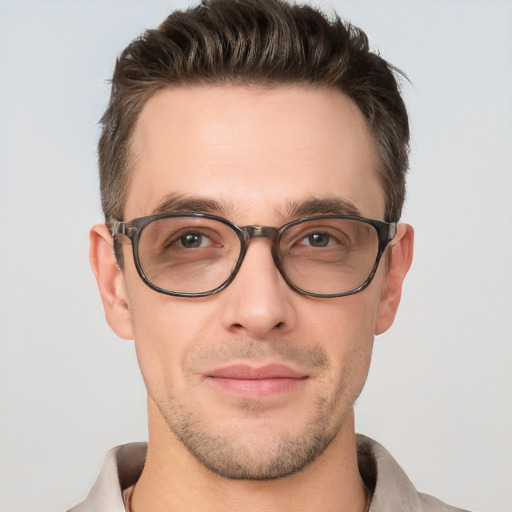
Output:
x=116 y=227
x=393 y=227
x=119 y=228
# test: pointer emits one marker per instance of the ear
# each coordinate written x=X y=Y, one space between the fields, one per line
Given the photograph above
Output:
x=400 y=259
x=110 y=281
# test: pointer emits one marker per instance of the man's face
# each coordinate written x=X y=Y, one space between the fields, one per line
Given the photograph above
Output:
x=257 y=380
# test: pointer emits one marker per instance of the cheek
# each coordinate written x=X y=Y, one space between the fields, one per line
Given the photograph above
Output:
x=346 y=322
x=166 y=331
x=345 y=329
x=157 y=334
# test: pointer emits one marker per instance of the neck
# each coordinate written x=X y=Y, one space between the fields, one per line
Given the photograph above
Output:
x=173 y=479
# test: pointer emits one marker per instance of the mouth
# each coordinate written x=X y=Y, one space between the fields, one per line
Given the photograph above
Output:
x=256 y=383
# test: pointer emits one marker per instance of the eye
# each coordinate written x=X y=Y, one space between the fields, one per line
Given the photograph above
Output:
x=318 y=239
x=192 y=240
x=323 y=239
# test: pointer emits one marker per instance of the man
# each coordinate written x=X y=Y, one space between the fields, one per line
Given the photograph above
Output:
x=252 y=168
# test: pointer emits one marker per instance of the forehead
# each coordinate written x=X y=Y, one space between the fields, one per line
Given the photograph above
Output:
x=252 y=149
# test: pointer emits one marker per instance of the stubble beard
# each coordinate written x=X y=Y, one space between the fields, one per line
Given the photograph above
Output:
x=240 y=455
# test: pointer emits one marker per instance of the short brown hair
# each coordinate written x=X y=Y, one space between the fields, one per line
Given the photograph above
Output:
x=256 y=42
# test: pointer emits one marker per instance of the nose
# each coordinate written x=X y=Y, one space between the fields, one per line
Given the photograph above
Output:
x=258 y=302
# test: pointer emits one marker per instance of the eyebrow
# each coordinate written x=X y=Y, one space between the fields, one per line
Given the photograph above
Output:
x=177 y=203
x=322 y=206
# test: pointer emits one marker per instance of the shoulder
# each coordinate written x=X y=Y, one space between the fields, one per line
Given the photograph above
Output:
x=431 y=504
x=391 y=488
x=121 y=469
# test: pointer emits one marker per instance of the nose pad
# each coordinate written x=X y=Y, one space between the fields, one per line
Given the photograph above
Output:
x=258 y=299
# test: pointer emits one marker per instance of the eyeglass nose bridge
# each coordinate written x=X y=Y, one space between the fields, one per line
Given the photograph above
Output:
x=257 y=231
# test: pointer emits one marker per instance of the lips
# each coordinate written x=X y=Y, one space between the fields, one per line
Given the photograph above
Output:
x=255 y=383
x=244 y=372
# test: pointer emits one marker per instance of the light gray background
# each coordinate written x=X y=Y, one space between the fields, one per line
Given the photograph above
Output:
x=439 y=395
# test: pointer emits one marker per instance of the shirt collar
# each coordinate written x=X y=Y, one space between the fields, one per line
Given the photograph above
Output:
x=390 y=487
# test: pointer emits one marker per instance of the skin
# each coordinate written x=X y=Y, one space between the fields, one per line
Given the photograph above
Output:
x=255 y=151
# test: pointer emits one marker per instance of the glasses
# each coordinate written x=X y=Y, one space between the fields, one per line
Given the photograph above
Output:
x=196 y=254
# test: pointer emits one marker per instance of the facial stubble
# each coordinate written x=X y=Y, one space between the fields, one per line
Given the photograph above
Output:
x=238 y=453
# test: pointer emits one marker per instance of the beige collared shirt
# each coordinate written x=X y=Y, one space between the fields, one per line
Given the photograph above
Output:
x=391 y=490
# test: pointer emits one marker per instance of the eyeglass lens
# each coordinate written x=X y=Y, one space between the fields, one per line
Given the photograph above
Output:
x=197 y=255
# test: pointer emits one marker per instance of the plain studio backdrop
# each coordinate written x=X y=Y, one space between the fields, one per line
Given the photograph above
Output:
x=439 y=394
